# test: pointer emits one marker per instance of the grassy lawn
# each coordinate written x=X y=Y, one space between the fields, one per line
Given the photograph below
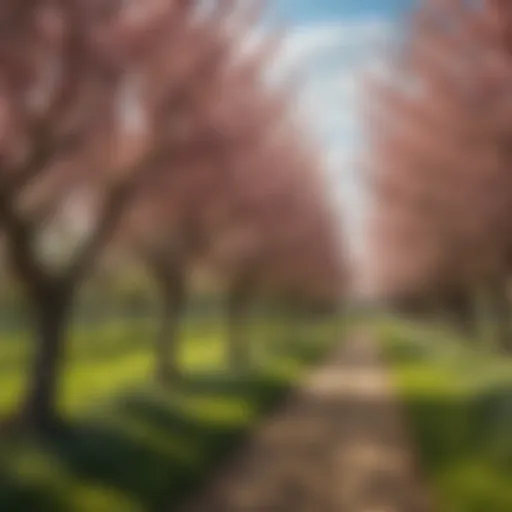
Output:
x=458 y=397
x=129 y=446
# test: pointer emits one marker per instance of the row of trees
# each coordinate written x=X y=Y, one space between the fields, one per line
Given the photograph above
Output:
x=146 y=129
x=440 y=168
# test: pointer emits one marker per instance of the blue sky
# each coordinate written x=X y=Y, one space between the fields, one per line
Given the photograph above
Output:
x=334 y=42
x=306 y=11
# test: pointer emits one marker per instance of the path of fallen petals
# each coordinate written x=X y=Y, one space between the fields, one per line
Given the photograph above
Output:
x=339 y=445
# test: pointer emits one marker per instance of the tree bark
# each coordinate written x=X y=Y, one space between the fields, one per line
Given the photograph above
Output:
x=51 y=314
x=463 y=313
x=167 y=343
x=238 y=307
x=500 y=312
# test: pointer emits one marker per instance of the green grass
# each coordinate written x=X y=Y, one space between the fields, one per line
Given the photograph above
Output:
x=458 y=398
x=128 y=446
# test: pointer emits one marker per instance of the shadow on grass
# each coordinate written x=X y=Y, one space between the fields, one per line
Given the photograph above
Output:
x=149 y=447
x=155 y=469
x=16 y=495
x=146 y=450
x=252 y=387
x=302 y=349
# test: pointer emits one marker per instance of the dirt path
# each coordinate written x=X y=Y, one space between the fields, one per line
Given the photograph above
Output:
x=339 y=445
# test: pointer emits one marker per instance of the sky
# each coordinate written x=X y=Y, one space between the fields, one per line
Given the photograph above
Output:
x=333 y=42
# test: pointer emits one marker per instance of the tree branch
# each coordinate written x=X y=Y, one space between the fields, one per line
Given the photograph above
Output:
x=117 y=200
x=20 y=244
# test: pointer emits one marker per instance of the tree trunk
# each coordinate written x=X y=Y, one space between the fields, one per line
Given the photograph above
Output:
x=500 y=311
x=51 y=313
x=168 y=337
x=238 y=306
x=463 y=314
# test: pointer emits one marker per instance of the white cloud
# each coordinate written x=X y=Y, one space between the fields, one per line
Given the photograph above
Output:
x=333 y=56
x=316 y=40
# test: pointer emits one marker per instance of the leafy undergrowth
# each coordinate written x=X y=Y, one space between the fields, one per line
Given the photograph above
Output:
x=128 y=446
x=458 y=398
